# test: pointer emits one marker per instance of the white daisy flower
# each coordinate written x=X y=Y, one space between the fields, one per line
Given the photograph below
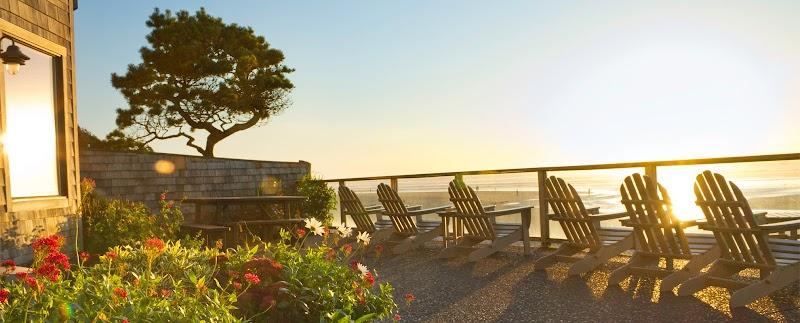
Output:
x=363 y=238
x=362 y=268
x=314 y=226
x=344 y=230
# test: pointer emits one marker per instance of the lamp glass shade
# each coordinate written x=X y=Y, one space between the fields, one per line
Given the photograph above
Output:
x=12 y=68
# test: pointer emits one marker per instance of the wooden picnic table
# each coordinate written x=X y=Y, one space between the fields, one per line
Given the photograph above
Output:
x=238 y=227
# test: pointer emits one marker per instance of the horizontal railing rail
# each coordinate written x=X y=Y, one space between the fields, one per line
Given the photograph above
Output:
x=650 y=169
x=676 y=162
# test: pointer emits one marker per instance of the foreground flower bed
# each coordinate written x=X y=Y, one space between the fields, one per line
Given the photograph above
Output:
x=161 y=281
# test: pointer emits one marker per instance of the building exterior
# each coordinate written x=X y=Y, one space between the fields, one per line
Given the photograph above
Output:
x=39 y=175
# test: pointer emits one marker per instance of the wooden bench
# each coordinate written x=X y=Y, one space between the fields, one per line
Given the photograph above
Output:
x=210 y=233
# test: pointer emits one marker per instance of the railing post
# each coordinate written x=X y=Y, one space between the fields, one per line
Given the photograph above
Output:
x=342 y=214
x=544 y=221
x=650 y=171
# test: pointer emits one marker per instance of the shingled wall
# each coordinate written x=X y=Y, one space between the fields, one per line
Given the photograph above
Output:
x=134 y=176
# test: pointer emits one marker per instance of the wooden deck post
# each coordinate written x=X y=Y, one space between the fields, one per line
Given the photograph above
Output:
x=342 y=216
x=544 y=221
x=650 y=171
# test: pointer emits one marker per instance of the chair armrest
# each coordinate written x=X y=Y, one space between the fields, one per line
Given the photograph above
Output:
x=610 y=216
x=451 y=211
x=414 y=207
x=593 y=210
x=373 y=207
x=509 y=211
x=781 y=226
x=682 y=224
x=428 y=211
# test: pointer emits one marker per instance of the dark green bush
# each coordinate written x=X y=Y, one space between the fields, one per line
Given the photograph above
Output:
x=320 y=198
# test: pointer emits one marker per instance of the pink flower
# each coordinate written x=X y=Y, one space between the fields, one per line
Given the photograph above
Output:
x=396 y=317
x=252 y=278
x=237 y=285
x=163 y=196
x=301 y=232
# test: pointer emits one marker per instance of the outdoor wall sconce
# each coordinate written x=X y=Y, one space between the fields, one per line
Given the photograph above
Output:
x=12 y=57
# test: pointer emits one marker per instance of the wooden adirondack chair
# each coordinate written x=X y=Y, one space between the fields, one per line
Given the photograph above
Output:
x=660 y=234
x=480 y=226
x=380 y=230
x=582 y=230
x=743 y=244
x=414 y=233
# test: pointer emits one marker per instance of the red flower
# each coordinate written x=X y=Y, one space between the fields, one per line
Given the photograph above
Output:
x=21 y=275
x=57 y=258
x=84 y=256
x=348 y=248
x=32 y=282
x=154 y=244
x=111 y=255
x=252 y=278
x=163 y=196
x=48 y=244
x=354 y=265
x=4 y=295
x=48 y=270
x=301 y=232
x=396 y=317
x=237 y=285
x=9 y=263
x=125 y=321
x=410 y=298
x=121 y=293
x=165 y=292
x=369 y=278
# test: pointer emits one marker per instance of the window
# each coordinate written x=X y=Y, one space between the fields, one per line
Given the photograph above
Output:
x=32 y=132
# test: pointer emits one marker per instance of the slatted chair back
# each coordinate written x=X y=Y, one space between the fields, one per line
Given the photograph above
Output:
x=469 y=206
x=351 y=205
x=657 y=230
x=730 y=218
x=396 y=210
x=568 y=210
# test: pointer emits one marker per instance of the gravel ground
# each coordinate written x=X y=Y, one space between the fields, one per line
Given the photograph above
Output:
x=506 y=288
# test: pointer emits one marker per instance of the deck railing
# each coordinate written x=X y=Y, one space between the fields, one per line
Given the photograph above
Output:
x=650 y=169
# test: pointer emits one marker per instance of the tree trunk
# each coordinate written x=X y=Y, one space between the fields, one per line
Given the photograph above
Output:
x=209 y=150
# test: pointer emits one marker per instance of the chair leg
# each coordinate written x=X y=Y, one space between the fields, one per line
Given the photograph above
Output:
x=717 y=270
x=552 y=258
x=497 y=245
x=526 y=235
x=462 y=246
x=417 y=240
x=623 y=272
x=600 y=256
x=779 y=278
x=691 y=269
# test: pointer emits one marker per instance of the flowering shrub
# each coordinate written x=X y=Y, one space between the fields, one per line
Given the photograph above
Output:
x=112 y=222
x=170 y=281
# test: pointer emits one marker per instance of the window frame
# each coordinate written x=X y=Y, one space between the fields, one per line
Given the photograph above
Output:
x=59 y=54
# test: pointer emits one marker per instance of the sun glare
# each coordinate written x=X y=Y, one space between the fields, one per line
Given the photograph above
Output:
x=679 y=182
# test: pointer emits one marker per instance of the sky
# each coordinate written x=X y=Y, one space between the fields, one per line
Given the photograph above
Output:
x=386 y=88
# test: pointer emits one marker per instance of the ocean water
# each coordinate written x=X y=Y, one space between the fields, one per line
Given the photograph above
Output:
x=773 y=187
